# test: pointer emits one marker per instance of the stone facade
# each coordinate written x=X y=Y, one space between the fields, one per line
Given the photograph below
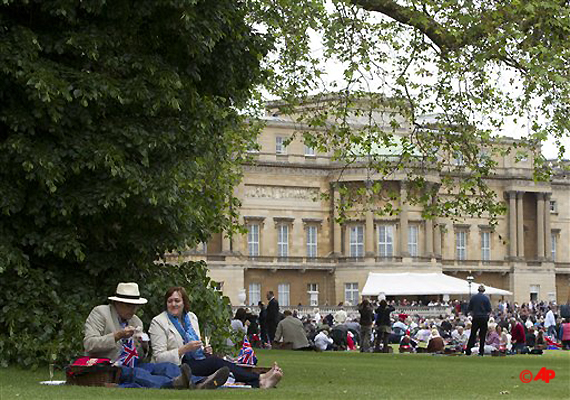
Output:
x=285 y=214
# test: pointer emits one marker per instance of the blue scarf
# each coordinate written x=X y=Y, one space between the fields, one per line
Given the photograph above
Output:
x=188 y=335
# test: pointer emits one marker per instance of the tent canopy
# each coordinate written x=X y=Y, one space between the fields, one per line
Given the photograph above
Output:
x=411 y=283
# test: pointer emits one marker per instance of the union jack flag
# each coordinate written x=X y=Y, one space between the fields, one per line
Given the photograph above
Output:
x=246 y=354
x=129 y=356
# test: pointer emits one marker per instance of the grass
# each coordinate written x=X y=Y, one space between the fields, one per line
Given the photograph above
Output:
x=342 y=375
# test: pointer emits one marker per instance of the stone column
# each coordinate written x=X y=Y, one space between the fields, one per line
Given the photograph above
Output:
x=337 y=248
x=369 y=235
x=547 y=228
x=226 y=243
x=540 y=225
x=520 y=226
x=403 y=222
x=512 y=225
x=429 y=237
x=437 y=241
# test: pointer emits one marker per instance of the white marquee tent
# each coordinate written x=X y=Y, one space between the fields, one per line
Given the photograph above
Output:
x=411 y=283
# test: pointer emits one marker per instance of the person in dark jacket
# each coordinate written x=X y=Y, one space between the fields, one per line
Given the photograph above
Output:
x=262 y=318
x=366 y=321
x=383 y=325
x=272 y=316
x=479 y=307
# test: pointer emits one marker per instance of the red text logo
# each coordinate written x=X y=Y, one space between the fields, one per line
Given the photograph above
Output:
x=544 y=375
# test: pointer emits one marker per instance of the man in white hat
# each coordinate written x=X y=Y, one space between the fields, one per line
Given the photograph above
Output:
x=114 y=331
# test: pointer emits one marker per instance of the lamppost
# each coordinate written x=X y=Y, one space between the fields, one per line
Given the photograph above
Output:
x=470 y=279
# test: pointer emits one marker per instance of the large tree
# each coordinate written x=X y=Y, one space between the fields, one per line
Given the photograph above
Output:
x=120 y=137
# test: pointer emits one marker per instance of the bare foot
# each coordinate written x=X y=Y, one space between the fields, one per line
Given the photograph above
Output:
x=271 y=378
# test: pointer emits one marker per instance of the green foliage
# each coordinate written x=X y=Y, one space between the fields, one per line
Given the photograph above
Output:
x=120 y=136
x=469 y=66
x=44 y=311
x=120 y=139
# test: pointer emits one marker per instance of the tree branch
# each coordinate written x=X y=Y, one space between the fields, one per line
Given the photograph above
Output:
x=413 y=18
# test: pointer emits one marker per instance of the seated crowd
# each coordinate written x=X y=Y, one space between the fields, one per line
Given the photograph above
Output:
x=511 y=328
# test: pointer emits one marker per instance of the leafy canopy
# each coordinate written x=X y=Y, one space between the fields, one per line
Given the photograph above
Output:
x=470 y=65
x=120 y=140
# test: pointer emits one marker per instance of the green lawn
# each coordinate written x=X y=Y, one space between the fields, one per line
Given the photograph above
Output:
x=344 y=375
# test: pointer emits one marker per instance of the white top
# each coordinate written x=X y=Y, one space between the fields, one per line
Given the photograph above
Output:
x=549 y=320
x=322 y=341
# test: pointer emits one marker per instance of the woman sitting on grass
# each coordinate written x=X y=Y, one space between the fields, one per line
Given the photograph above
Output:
x=175 y=337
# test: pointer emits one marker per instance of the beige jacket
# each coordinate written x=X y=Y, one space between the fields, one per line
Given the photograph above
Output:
x=291 y=330
x=100 y=327
x=165 y=339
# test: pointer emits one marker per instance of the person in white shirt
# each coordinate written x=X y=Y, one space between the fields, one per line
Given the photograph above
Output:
x=550 y=323
x=459 y=337
x=423 y=334
x=322 y=341
x=340 y=316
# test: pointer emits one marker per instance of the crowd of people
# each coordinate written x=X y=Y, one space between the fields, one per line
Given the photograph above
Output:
x=183 y=359
x=474 y=327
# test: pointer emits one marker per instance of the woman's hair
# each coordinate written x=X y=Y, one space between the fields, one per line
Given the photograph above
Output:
x=383 y=303
x=182 y=293
x=240 y=314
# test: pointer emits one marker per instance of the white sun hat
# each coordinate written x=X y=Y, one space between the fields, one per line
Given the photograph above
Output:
x=128 y=293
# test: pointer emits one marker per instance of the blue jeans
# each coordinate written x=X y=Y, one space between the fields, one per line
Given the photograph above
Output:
x=552 y=331
x=149 y=375
x=211 y=364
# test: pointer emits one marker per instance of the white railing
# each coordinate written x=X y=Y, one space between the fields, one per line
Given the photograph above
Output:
x=352 y=311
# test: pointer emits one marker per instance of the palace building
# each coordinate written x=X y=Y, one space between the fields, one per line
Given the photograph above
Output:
x=295 y=248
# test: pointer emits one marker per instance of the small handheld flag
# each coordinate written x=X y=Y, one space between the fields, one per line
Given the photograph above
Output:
x=246 y=354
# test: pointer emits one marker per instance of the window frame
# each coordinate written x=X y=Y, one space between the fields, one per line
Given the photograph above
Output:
x=356 y=247
x=251 y=244
x=413 y=246
x=460 y=248
x=282 y=240
x=485 y=250
x=253 y=293
x=280 y=148
x=350 y=292
x=284 y=296
x=386 y=247
x=311 y=246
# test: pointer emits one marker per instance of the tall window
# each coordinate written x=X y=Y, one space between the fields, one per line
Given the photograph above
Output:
x=461 y=245
x=279 y=146
x=282 y=240
x=253 y=240
x=351 y=293
x=413 y=239
x=485 y=246
x=385 y=240
x=357 y=241
x=254 y=293
x=313 y=291
x=283 y=294
x=553 y=239
x=309 y=151
x=311 y=241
